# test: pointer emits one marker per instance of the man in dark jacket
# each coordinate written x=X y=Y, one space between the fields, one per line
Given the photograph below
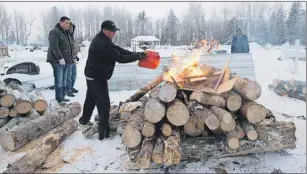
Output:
x=239 y=43
x=72 y=71
x=102 y=56
x=60 y=56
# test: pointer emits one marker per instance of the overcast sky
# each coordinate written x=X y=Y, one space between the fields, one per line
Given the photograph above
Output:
x=153 y=9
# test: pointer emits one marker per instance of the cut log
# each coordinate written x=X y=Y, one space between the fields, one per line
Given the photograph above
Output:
x=3 y=121
x=129 y=106
x=23 y=104
x=134 y=153
x=213 y=124
x=280 y=136
x=38 y=101
x=253 y=112
x=9 y=99
x=240 y=132
x=222 y=114
x=227 y=86
x=33 y=114
x=177 y=113
x=144 y=90
x=144 y=158
x=168 y=92
x=13 y=122
x=233 y=101
x=248 y=89
x=22 y=134
x=148 y=129
x=132 y=135
x=232 y=139
x=13 y=113
x=154 y=93
x=166 y=129
x=193 y=127
x=154 y=110
x=226 y=127
x=208 y=99
x=36 y=157
x=172 y=152
x=249 y=130
x=4 y=112
x=158 y=151
x=276 y=135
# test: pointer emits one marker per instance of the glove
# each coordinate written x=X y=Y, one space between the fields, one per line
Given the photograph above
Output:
x=76 y=58
x=62 y=62
x=142 y=55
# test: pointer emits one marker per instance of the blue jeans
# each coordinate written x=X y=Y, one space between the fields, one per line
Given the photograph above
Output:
x=60 y=78
x=71 y=77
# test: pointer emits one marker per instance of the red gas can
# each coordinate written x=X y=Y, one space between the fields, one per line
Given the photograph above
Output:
x=152 y=60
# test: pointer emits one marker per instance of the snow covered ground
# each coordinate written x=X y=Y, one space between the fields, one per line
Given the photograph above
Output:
x=91 y=155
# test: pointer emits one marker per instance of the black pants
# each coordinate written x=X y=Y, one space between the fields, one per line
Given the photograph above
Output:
x=97 y=94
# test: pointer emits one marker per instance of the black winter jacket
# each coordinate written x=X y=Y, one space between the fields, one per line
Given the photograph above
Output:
x=60 y=46
x=102 y=56
x=240 y=44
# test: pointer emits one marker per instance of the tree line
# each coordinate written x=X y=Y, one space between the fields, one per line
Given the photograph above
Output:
x=275 y=25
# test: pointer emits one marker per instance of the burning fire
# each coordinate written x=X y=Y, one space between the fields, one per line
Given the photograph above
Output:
x=185 y=67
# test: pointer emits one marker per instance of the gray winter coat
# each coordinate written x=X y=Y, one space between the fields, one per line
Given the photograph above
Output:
x=60 y=46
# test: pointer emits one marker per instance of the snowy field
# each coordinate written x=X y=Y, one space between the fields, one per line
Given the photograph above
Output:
x=93 y=156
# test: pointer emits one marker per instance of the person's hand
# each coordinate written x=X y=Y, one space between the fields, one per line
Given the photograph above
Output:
x=62 y=62
x=142 y=55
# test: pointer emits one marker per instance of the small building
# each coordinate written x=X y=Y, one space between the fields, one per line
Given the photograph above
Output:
x=150 y=41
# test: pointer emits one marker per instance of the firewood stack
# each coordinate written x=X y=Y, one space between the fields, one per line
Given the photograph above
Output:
x=291 y=88
x=196 y=119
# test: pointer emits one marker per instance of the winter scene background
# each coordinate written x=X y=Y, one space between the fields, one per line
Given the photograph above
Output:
x=272 y=29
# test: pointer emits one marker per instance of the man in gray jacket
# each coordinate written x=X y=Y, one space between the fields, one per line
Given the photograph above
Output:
x=60 y=56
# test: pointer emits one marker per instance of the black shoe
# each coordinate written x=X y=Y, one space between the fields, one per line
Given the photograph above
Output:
x=65 y=100
x=101 y=136
x=70 y=94
x=74 y=90
x=107 y=132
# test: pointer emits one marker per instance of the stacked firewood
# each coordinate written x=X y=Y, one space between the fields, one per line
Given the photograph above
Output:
x=291 y=88
x=190 y=120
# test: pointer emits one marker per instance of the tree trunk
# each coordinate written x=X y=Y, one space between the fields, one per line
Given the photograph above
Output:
x=36 y=157
x=13 y=122
x=22 y=134
x=177 y=113
x=8 y=99
x=168 y=92
x=279 y=136
x=233 y=101
x=248 y=89
x=148 y=129
x=276 y=135
x=3 y=121
x=222 y=114
x=208 y=99
x=154 y=110
x=132 y=136
x=166 y=129
x=158 y=151
x=33 y=114
x=23 y=104
x=172 y=153
x=193 y=127
x=213 y=124
x=253 y=112
x=4 y=112
x=39 y=102
x=249 y=130
x=145 y=155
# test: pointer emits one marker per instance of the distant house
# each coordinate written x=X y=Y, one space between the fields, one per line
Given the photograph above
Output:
x=150 y=41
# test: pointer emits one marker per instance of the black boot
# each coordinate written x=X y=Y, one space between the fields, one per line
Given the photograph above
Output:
x=107 y=132
x=101 y=133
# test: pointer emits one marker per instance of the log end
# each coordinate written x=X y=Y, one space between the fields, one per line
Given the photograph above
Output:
x=8 y=143
x=23 y=107
x=193 y=128
x=148 y=129
x=178 y=114
x=40 y=105
x=234 y=103
x=154 y=111
x=228 y=127
x=168 y=92
x=4 y=112
x=253 y=91
x=166 y=130
x=233 y=143
x=131 y=137
x=7 y=100
x=252 y=135
x=143 y=163
x=256 y=114
x=213 y=123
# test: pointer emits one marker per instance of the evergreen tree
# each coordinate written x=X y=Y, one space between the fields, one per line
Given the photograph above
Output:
x=293 y=19
x=280 y=26
x=171 y=28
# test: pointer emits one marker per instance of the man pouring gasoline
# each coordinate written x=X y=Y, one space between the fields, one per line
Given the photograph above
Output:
x=102 y=56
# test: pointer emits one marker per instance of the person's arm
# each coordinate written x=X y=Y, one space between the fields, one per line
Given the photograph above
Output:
x=122 y=50
x=54 y=45
x=112 y=53
x=233 y=45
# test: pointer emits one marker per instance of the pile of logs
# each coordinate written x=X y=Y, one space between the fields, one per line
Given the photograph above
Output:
x=290 y=88
x=199 y=119
x=34 y=118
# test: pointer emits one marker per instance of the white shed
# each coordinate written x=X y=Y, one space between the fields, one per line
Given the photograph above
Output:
x=151 y=41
